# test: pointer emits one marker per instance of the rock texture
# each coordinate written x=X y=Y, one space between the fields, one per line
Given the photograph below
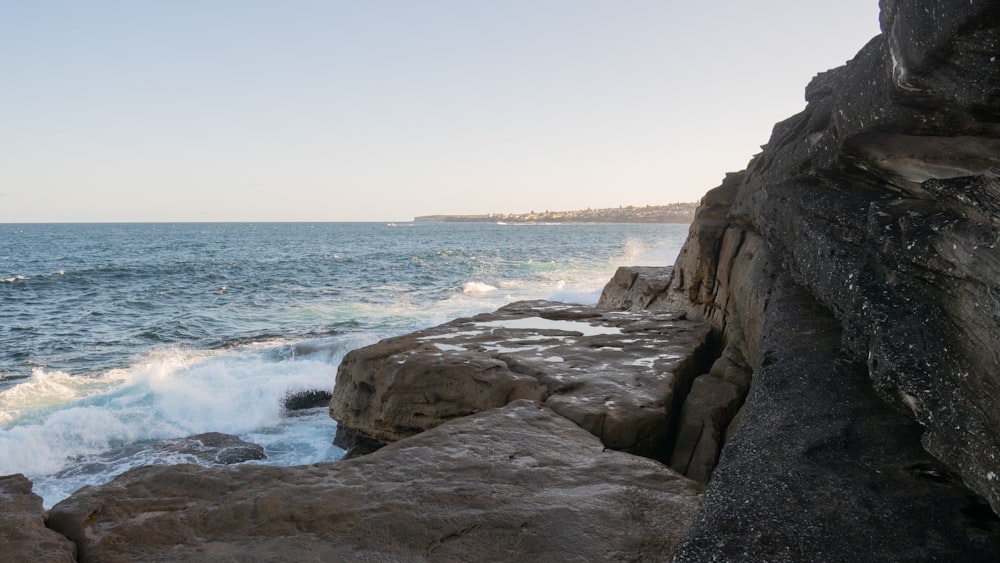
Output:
x=821 y=469
x=620 y=376
x=636 y=288
x=23 y=535
x=856 y=258
x=709 y=409
x=518 y=483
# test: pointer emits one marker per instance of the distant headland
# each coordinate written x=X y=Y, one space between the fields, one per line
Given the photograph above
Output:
x=672 y=213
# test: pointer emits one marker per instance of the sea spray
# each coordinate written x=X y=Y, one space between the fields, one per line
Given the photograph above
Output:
x=55 y=421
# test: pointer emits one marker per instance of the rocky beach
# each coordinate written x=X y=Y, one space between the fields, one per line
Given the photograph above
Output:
x=816 y=377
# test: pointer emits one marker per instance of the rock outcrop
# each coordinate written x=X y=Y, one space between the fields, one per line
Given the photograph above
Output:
x=821 y=469
x=519 y=483
x=23 y=535
x=637 y=288
x=854 y=265
x=620 y=376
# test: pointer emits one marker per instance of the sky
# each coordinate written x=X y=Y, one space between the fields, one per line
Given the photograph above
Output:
x=382 y=110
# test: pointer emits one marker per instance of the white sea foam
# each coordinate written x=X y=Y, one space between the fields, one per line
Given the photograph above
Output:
x=475 y=287
x=55 y=420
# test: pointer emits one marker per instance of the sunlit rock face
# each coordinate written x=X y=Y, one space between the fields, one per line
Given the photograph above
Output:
x=875 y=216
x=619 y=375
x=23 y=535
x=519 y=483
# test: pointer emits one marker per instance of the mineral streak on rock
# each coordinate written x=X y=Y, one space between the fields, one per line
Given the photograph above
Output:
x=519 y=483
x=618 y=375
x=23 y=535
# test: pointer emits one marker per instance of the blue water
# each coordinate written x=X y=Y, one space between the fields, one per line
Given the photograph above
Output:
x=116 y=335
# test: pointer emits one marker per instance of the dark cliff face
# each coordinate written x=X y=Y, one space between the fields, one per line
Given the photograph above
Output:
x=881 y=203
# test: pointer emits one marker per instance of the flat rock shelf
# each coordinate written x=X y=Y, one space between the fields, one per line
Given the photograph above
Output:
x=619 y=375
x=518 y=483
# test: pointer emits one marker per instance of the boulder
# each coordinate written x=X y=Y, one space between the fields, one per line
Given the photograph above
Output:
x=636 y=288
x=519 y=483
x=23 y=535
x=311 y=399
x=620 y=376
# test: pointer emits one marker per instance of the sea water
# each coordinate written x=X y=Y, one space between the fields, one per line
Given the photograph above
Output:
x=113 y=336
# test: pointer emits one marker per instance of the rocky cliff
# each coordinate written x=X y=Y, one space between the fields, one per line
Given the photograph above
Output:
x=857 y=255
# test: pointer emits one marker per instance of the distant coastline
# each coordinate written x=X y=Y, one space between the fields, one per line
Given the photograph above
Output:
x=672 y=213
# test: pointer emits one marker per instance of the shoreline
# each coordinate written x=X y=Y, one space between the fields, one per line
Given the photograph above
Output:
x=681 y=213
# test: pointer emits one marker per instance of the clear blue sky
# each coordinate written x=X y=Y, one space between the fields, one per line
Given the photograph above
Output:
x=242 y=110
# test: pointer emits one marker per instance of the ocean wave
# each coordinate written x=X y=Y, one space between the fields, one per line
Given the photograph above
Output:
x=13 y=279
x=475 y=288
x=55 y=420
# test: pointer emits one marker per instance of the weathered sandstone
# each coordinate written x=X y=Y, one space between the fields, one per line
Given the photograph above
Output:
x=636 y=288
x=23 y=535
x=511 y=484
x=854 y=265
x=821 y=469
x=620 y=376
x=708 y=411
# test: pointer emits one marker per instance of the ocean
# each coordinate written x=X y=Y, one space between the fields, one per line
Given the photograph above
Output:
x=113 y=336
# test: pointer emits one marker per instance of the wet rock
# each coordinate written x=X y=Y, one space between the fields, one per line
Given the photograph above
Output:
x=307 y=400
x=618 y=375
x=23 y=535
x=518 y=483
x=210 y=448
x=215 y=448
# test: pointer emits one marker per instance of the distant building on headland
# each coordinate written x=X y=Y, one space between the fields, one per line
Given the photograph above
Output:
x=673 y=213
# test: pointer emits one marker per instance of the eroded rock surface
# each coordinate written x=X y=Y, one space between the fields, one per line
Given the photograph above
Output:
x=618 y=375
x=519 y=483
x=709 y=410
x=637 y=288
x=855 y=267
x=821 y=469
x=23 y=535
